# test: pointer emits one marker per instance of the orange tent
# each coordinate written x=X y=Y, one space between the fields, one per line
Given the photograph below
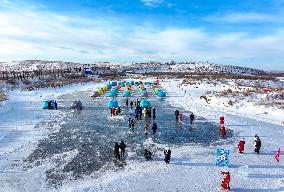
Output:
x=118 y=86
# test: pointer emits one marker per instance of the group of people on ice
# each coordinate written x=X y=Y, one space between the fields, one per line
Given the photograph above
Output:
x=115 y=111
x=119 y=150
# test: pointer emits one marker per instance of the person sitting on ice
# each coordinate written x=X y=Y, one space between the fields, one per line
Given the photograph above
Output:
x=222 y=131
x=241 y=145
x=147 y=154
x=257 y=144
x=167 y=153
x=225 y=185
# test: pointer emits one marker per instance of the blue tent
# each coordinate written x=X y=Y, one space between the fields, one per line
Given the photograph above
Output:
x=52 y=102
x=109 y=86
x=131 y=82
x=122 y=84
x=112 y=103
x=114 y=83
x=112 y=94
x=161 y=93
x=127 y=94
x=145 y=103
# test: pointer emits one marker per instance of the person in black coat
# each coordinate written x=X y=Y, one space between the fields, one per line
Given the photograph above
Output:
x=154 y=113
x=257 y=144
x=177 y=114
x=122 y=148
x=116 y=151
x=191 y=118
x=154 y=128
x=167 y=153
x=131 y=104
x=147 y=155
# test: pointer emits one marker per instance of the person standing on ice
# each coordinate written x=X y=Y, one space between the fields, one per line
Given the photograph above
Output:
x=257 y=144
x=122 y=149
x=154 y=128
x=136 y=113
x=126 y=102
x=241 y=145
x=225 y=185
x=131 y=105
x=180 y=117
x=191 y=118
x=146 y=126
x=177 y=114
x=222 y=131
x=154 y=113
x=129 y=123
x=167 y=153
x=116 y=151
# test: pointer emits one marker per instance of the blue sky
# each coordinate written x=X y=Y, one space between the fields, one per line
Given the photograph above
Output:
x=238 y=32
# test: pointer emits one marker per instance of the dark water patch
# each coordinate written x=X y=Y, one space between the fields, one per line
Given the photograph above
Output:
x=89 y=135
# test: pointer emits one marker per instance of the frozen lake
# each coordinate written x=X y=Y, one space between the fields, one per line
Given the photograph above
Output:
x=84 y=144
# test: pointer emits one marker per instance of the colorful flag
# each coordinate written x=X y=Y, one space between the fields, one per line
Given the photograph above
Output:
x=277 y=156
x=222 y=157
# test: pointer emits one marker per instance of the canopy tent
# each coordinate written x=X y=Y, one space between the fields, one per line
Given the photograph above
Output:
x=95 y=94
x=141 y=86
x=145 y=103
x=112 y=94
x=109 y=86
x=112 y=103
x=156 y=89
x=100 y=91
x=105 y=88
x=127 y=94
x=53 y=104
x=122 y=84
x=161 y=93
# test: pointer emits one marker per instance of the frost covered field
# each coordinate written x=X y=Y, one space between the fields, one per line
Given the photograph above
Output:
x=192 y=168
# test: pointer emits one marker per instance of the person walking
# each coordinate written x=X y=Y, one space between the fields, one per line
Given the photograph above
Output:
x=167 y=153
x=191 y=118
x=177 y=114
x=122 y=149
x=154 y=113
x=146 y=126
x=154 y=128
x=257 y=144
x=116 y=151
x=241 y=145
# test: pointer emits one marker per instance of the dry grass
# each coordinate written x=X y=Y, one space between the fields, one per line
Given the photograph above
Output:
x=3 y=96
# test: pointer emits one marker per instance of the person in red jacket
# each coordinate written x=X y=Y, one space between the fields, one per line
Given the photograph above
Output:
x=225 y=185
x=241 y=145
x=222 y=131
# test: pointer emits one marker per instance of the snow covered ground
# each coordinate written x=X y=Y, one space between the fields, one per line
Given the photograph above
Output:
x=192 y=167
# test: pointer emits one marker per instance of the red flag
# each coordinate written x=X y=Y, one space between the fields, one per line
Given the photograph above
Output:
x=277 y=155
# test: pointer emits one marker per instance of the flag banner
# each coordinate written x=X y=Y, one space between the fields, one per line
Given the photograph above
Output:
x=277 y=156
x=222 y=157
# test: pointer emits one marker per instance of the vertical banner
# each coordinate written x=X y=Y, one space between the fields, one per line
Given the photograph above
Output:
x=222 y=157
